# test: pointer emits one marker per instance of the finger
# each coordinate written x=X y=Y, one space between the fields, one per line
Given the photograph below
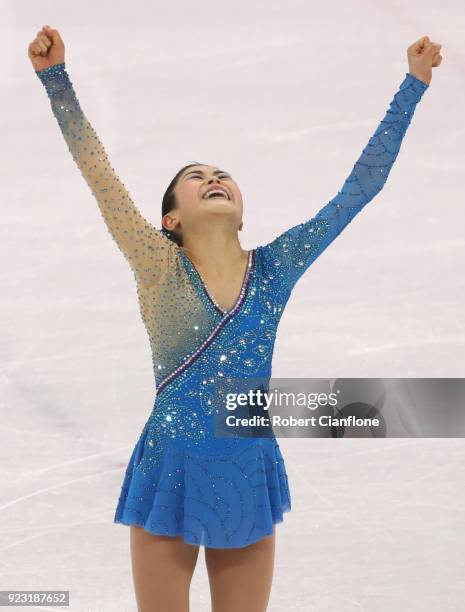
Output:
x=420 y=43
x=54 y=35
x=417 y=48
x=34 y=49
x=41 y=45
x=45 y=39
x=431 y=50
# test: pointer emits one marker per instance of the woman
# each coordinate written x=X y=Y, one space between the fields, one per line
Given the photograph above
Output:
x=211 y=310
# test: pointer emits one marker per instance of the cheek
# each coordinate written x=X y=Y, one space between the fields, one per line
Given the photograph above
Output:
x=188 y=190
x=237 y=196
x=188 y=201
x=188 y=195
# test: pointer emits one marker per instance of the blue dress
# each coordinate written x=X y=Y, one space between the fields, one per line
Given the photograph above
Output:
x=181 y=479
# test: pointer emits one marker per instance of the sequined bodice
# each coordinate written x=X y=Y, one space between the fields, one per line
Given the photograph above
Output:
x=184 y=324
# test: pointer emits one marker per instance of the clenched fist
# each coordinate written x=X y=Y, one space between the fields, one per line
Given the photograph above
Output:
x=423 y=55
x=47 y=49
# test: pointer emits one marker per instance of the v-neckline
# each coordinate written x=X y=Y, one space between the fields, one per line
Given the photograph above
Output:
x=209 y=295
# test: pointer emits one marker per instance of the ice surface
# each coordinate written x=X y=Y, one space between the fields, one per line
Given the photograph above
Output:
x=284 y=96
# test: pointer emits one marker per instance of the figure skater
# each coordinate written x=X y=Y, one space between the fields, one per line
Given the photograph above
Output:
x=211 y=310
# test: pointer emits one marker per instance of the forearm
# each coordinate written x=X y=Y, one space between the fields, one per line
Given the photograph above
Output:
x=372 y=168
x=136 y=237
x=297 y=248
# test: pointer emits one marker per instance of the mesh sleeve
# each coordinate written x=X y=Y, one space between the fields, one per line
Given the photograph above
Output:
x=145 y=247
x=289 y=255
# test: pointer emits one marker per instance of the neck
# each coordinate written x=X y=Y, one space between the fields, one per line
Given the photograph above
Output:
x=214 y=249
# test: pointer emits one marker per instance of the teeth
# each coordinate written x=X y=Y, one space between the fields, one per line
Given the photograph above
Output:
x=215 y=191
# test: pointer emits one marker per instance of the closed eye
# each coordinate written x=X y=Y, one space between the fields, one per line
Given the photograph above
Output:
x=199 y=175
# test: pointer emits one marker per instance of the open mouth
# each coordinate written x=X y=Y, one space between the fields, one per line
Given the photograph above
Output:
x=216 y=193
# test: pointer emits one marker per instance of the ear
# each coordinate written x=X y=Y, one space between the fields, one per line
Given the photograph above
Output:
x=240 y=226
x=174 y=223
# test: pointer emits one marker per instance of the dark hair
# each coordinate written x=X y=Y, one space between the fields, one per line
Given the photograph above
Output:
x=169 y=203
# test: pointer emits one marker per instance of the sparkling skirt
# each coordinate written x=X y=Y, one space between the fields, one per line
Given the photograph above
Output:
x=215 y=500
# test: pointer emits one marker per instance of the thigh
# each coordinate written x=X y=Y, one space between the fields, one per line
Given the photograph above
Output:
x=162 y=568
x=240 y=578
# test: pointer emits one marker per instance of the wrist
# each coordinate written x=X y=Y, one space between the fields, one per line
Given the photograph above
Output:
x=54 y=78
x=423 y=78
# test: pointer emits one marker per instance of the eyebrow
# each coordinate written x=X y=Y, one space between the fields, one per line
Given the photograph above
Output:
x=201 y=172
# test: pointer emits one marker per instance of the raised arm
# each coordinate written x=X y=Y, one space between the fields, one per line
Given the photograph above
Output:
x=147 y=250
x=291 y=253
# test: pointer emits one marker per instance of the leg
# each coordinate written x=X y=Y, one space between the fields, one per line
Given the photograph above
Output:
x=162 y=568
x=240 y=578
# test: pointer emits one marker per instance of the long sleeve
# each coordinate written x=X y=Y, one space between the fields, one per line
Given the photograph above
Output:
x=289 y=255
x=147 y=250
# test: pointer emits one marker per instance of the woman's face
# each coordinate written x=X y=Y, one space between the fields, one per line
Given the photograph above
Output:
x=194 y=205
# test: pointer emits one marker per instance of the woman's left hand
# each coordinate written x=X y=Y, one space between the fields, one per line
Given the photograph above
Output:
x=423 y=55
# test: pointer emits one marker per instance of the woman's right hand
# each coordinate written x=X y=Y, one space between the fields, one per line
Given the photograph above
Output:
x=47 y=49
